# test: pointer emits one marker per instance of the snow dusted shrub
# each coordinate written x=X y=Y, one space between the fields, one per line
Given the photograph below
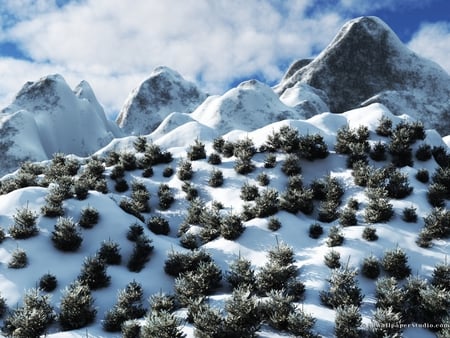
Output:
x=301 y=324
x=24 y=224
x=214 y=159
x=140 y=196
x=54 y=203
x=241 y=274
x=89 y=217
x=185 y=171
x=277 y=309
x=33 y=318
x=384 y=127
x=110 y=252
x=117 y=172
x=19 y=259
x=158 y=225
x=66 y=235
x=358 y=153
x=121 y=185
x=267 y=203
x=3 y=306
x=442 y=177
x=189 y=241
x=378 y=152
x=162 y=302
x=400 y=149
x=347 y=137
x=371 y=267
x=409 y=214
x=48 y=282
x=218 y=143
x=395 y=263
x=147 y=172
x=270 y=161
x=112 y=158
x=130 y=207
x=178 y=262
x=93 y=273
x=335 y=236
x=437 y=223
x=328 y=211
x=378 y=210
x=385 y=323
x=315 y=230
x=343 y=290
x=389 y=294
x=216 y=178
x=80 y=189
x=140 y=144
x=312 y=146
x=77 y=307
x=2 y=235
x=141 y=253
x=291 y=165
x=231 y=227
x=263 y=179
x=332 y=259
x=134 y=231
x=423 y=175
x=274 y=224
x=162 y=325
x=435 y=305
x=441 y=276
x=168 y=171
x=190 y=190
x=348 y=322
x=249 y=192
x=196 y=151
x=412 y=311
x=128 y=307
x=441 y=156
x=369 y=233
x=423 y=152
x=347 y=217
x=397 y=185
x=228 y=149
x=128 y=160
x=244 y=165
x=436 y=195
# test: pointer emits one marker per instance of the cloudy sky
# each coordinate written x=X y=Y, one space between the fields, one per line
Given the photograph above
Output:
x=115 y=44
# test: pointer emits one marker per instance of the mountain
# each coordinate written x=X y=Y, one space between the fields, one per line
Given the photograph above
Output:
x=47 y=117
x=164 y=92
x=366 y=63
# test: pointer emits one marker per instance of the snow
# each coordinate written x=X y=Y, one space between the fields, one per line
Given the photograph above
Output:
x=253 y=243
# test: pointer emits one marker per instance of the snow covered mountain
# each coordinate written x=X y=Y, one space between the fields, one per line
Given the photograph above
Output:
x=47 y=117
x=164 y=92
x=366 y=63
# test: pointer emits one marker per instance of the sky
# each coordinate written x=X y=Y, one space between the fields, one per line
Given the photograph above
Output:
x=115 y=44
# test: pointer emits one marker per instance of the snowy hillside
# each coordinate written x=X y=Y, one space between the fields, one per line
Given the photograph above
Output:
x=269 y=189
x=47 y=117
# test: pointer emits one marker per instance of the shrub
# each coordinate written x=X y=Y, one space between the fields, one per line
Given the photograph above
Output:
x=3 y=306
x=216 y=178
x=385 y=323
x=165 y=196
x=347 y=322
x=93 y=273
x=274 y=224
x=218 y=144
x=378 y=210
x=315 y=230
x=89 y=217
x=196 y=151
x=395 y=263
x=291 y=165
x=66 y=236
x=412 y=311
x=54 y=204
x=288 y=139
x=263 y=179
x=178 y=263
x=423 y=152
x=48 y=282
x=189 y=241
x=312 y=147
x=128 y=161
x=441 y=276
x=301 y=323
x=228 y=149
x=437 y=223
x=441 y=156
x=110 y=253
x=332 y=259
x=33 y=318
x=135 y=230
x=129 y=207
x=343 y=290
x=162 y=325
x=347 y=217
x=384 y=127
x=328 y=211
x=370 y=233
x=244 y=165
x=18 y=260
x=158 y=225
x=214 y=159
x=249 y=192
x=371 y=267
x=121 y=185
x=241 y=274
x=398 y=185
x=190 y=190
x=389 y=294
x=277 y=309
x=270 y=161
x=267 y=203
x=77 y=307
x=24 y=224
x=231 y=227
x=185 y=172
x=435 y=305
x=140 y=197
x=168 y=171
x=436 y=195
x=335 y=236
x=422 y=175
x=81 y=189
x=195 y=211
x=2 y=235
x=378 y=152
x=409 y=214
x=147 y=172
x=162 y=302
x=141 y=253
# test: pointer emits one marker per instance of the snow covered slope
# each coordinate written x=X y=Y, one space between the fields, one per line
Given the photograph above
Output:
x=164 y=92
x=47 y=117
x=365 y=63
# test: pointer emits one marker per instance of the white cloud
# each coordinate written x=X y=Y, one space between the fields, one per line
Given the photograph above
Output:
x=433 y=41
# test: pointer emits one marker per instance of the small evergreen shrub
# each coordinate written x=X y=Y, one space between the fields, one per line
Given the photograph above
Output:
x=140 y=197
x=167 y=172
x=436 y=195
x=48 y=282
x=384 y=127
x=18 y=260
x=241 y=274
x=147 y=172
x=423 y=152
x=128 y=161
x=441 y=276
x=291 y=165
x=378 y=152
x=66 y=235
x=312 y=147
x=93 y=273
x=165 y=195
x=270 y=161
x=348 y=321
x=335 y=236
x=130 y=207
x=244 y=165
x=398 y=185
x=216 y=178
x=277 y=309
x=24 y=224
x=140 y=144
x=422 y=175
x=267 y=203
x=385 y=323
x=162 y=302
x=263 y=179
x=218 y=144
x=274 y=224
x=301 y=324
x=315 y=230
x=141 y=253
x=185 y=171
x=162 y=325
x=409 y=214
x=435 y=305
x=343 y=290
x=135 y=230
x=54 y=204
x=370 y=233
x=437 y=223
x=77 y=307
x=3 y=306
x=395 y=263
x=178 y=262
x=332 y=259
x=249 y=192
x=117 y=172
x=158 y=225
x=190 y=190
x=412 y=311
x=389 y=294
x=214 y=159
x=378 y=210
x=89 y=217
x=196 y=151
x=231 y=227
x=371 y=267
x=121 y=185
x=80 y=189
x=109 y=252
x=2 y=235
x=348 y=217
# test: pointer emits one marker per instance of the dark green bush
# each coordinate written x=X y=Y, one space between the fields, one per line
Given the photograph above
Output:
x=18 y=260
x=48 y=282
x=66 y=235
x=158 y=225
x=89 y=217
x=395 y=263
x=141 y=253
x=77 y=307
x=110 y=253
x=93 y=273
x=24 y=224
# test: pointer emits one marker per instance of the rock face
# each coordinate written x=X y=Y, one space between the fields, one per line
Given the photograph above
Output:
x=164 y=92
x=46 y=117
x=366 y=63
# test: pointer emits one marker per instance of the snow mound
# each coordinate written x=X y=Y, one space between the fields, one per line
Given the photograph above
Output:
x=46 y=117
x=164 y=92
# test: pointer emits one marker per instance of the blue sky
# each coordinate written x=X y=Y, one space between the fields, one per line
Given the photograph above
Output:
x=115 y=44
